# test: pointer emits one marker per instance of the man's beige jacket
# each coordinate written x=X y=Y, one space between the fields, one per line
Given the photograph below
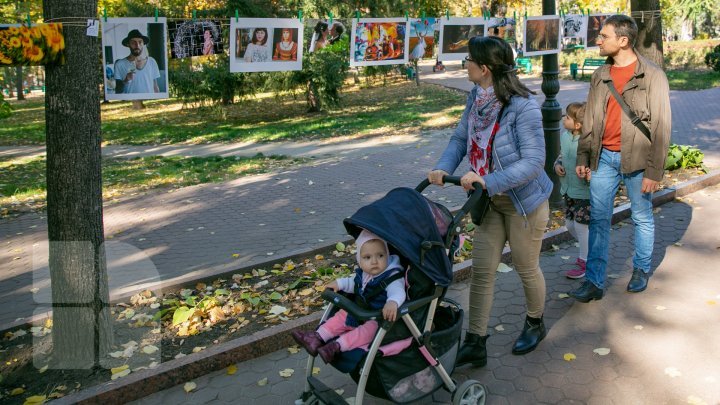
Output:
x=648 y=95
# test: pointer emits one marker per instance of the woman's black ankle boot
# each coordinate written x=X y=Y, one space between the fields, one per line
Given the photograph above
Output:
x=533 y=332
x=472 y=351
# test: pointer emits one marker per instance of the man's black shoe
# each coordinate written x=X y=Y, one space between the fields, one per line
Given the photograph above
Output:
x=533 y=332
x=587 y=292
x=638 y=282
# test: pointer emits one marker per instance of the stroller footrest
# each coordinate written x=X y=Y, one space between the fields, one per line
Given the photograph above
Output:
x=325 y=394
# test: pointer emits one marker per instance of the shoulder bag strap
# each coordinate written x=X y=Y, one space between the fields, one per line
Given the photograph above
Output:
x=626 y=108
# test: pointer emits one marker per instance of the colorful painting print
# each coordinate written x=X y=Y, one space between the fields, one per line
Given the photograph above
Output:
x=594 y=25
x=190 y=38
x=504 y=28
x=265 y=44
x=41 y=44
x=455 y=34
x=379 y=41
x=422 y=38
x=325 y=33
x=135 y=58
x=542 y=35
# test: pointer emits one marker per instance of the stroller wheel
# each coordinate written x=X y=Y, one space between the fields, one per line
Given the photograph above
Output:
x=470 y=392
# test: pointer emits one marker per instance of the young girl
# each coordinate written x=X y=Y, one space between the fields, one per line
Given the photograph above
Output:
x=376 y=267
x=257 y=50
x=576 y=191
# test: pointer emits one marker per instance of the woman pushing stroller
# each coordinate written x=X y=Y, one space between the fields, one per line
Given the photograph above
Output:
x=501 y=133
x=377 y=284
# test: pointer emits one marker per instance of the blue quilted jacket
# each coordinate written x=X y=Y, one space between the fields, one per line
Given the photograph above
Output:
x=518 y=154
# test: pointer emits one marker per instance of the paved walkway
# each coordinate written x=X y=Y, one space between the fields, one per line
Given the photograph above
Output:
x=178 y=235
x=663 y=346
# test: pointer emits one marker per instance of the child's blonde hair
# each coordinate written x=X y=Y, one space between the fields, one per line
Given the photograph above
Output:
x=576 y=111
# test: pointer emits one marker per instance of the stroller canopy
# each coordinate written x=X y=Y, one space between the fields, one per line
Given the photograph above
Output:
x=404 y=219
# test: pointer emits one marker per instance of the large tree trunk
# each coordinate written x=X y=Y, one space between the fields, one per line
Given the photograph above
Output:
x=81 y=325
x=19 y=82
x=649 y=41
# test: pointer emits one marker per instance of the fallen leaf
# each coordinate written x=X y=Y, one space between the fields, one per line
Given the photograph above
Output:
x=236 y=255
x=306 y=292
x=150 y=349
x=321 y=257
x=602 y=351
x=43 y=369
x=35 y=400
x=316 y=371
x=499 y=328
x=288 y=372
x=340 y=247
x=189 y=386
x=120 y=369
x=277 y=310
x=569 y=357
x=504 y=268
x=555 y=247
x=294 y=349
x=263 y=382
x=678 y=244
x=563 y=295
x=672 y=372
x=564 y=257
x=120 y=374
x=232 y=369
x=340 y=391
x=198 y=349
x=17 y=391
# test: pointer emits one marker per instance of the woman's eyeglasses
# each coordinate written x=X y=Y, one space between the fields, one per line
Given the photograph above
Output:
x=469 y=59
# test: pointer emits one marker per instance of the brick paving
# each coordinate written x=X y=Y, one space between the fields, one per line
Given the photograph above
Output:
x=662 y=342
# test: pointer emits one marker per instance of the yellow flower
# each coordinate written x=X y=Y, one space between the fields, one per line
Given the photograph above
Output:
x=25 y=31
x=13 y=30
x=15 y=42
x=5 y=60
x=46 y=29
x=35 y=32
x=56 y=42
x=26 y=42
x=33 y=54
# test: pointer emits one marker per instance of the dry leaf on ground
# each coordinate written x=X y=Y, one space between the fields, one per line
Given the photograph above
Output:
x=569 y=357
x=189 y=386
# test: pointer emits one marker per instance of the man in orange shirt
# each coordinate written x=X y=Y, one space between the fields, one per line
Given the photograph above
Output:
x=614 y=148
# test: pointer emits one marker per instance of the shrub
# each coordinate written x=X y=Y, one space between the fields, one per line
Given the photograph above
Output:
x=712 y=59
x=684 y=157
x=5 y=107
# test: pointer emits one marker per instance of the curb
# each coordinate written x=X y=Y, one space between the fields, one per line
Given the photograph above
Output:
x=174 y=372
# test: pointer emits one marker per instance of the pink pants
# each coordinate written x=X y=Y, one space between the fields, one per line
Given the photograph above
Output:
x=350 y=337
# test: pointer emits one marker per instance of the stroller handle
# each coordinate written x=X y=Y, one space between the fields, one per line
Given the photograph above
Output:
x=473 y=200
x=446 y=179
x=348 y=305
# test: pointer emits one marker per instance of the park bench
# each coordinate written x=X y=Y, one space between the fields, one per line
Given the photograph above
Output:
x=525 y=64
x=591 y=63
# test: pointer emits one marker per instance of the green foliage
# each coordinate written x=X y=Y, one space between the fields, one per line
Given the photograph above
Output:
x=712 y=59
x=210 y=82
x=5 y=107
x=684 y=157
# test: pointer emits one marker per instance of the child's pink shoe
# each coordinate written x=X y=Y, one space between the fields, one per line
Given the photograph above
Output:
x=578 y=271
x=310 y=340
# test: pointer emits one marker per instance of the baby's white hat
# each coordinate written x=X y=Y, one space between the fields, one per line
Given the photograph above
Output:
x=365 y=236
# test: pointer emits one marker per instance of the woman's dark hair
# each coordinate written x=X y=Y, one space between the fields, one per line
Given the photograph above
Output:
x=254 y=37
x=497 y=55
x=321 y=27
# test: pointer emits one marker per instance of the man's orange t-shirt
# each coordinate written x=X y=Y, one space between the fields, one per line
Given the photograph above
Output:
x=620 y=76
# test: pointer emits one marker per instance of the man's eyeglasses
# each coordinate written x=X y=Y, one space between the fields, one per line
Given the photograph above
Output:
x=606 y=37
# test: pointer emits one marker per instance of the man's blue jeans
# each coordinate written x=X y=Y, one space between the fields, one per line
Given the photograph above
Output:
x=603 y=186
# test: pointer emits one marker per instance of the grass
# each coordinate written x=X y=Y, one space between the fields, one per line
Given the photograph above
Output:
x=23 y=186
x=366 y=111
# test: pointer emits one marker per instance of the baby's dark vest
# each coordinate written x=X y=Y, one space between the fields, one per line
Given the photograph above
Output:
x=374 y=295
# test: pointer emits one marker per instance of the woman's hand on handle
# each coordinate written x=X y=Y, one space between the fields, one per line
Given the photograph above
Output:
x=436 y=177
x=469 y=178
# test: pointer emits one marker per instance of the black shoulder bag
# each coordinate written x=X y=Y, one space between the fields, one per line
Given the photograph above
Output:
x=626 y=108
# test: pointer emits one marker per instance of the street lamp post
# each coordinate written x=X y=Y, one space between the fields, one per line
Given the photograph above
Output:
x=552 y=113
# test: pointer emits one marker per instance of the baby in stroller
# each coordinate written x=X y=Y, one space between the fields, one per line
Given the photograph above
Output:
x=412 y=350
x=377 y=284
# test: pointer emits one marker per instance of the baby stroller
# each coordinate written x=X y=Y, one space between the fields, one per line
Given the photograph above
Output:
x=425 y=236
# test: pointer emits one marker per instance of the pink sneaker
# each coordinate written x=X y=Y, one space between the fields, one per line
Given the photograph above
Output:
x=578 y=271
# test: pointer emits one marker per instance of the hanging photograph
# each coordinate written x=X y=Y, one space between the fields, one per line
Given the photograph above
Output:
x=422 y=38
x=379 y=41
x=265 y=44
x=135 y=58
x=40 y=44
x=455 y=34
x=190 y=38
x=504 y=28
x=594 y=25
x=325 y=33
x=574 y=31
x=542 y=35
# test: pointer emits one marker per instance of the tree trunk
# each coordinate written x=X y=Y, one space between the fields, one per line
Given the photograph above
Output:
x=312 y=97
x=19 y=82
x=81 y=332
x=649 y=41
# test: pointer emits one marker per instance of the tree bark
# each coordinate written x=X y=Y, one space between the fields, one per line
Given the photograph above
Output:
x=19 y=82
x=81 y=331
x=649 y=41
